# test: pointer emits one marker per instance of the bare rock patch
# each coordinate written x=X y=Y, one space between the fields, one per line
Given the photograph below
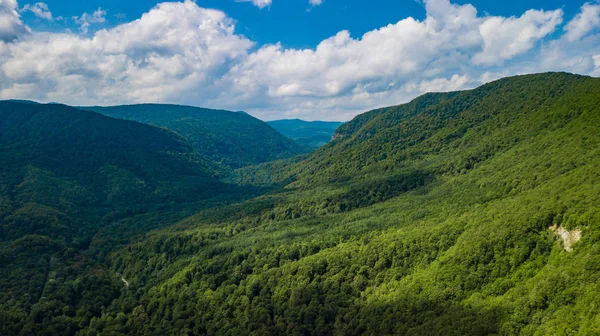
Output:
x=567 y=237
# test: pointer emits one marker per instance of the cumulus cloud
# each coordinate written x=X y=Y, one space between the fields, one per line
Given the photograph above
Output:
x=85 y=20
x=315 y=2
x=11 y=26
x=181 y=53
x=584 y=22
x=383 y=65
x=575 y=51
x=39 y=9
x=456 y=82
x=174 y=50
x=505 y=38
x=258 y=3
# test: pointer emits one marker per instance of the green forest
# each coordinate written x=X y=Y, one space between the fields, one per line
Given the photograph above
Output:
x=233 y=139
x=465 y=213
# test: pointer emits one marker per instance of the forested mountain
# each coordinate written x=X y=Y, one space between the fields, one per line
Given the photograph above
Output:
x=234 y=139
x=310 y=133
x=465 y=213
x=70 y=179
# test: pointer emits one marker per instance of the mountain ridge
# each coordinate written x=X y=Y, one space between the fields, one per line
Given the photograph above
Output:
x=443 y=216
x=231 y=138
x=423 y=220
x=74 y=183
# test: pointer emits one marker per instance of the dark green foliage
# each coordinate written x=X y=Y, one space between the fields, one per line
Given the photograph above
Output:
x=74 y=184
x=430 y=218
x=310 y=133
x=59 y=163
x=234 y=139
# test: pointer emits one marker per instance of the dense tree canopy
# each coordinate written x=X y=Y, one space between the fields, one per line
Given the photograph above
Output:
x=234 y=139
x=436 y=217
x=74 y=184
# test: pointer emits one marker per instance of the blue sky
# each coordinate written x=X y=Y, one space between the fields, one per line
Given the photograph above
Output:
x=308 y=59
x=296 y=23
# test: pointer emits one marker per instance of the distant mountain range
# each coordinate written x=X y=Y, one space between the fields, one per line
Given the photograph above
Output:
x=309 y=133
x=225 y=136
x=233 y=139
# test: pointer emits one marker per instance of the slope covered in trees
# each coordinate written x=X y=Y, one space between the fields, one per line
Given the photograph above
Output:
x=310 y=133
x=436 y=217
x=426 y=218
x=71 y=180
x=234 y=139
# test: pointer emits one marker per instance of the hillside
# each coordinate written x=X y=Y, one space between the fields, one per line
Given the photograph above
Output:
x=432 y=217
x=231 y=138
x=72 y=180
x=77 y=144
x=455 y=214
x=310 y=133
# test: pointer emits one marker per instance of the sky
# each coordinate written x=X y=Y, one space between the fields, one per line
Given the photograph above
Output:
x=278 y=59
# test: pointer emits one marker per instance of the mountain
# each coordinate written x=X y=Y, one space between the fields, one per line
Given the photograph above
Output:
x=20 y=101
x=231 y=138
x=437 y=217
x=78 y=144
x=463 y=213
x=73 y=182
x=309 y=133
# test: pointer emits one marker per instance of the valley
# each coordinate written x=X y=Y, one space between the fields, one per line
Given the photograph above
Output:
x=441 y=216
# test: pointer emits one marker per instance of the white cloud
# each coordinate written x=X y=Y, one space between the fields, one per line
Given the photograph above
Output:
x=85 y=20
x=574 y=51
x=584 y=22
x=175 y=50
x=315 y=2
x=505 y=38
x=456 y=82
x=179 y=52
x=382 y=66
x=258 y=3
x=40 y=10
x=11 y=26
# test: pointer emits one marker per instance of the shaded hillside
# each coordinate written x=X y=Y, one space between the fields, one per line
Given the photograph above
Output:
x=310 y=133
x=430 y=218
x=232 y=138
x=81 y=145
x=73 y=183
